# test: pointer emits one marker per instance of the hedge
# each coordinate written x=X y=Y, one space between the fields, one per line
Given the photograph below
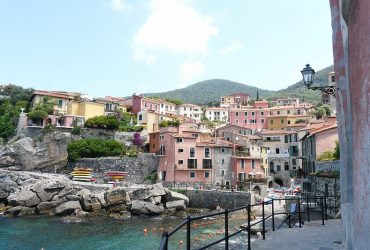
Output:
x=104 y=122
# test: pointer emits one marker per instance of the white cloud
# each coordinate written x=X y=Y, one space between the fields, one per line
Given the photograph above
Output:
x=140 y=55
x=190 y=70
x=174 y=26
x=120 y=5
x=234 y=46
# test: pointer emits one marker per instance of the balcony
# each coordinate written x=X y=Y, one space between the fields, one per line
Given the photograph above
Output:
x=278 y=156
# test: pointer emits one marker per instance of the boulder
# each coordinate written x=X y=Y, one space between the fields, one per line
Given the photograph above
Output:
x=86 y=202
x=48 y=207
x=141 y=193
x=101 y=198
x=42 y=193
x=24 y=197
x=143 y=207
x=67 y=208
x=20 y=211
x=174 y=196
x=157 y=199
x=117 y=208
x=95 y=204
x=7 y=186
x=178 y=205
x=115 y=196
x=157 y=189
x=73 y=197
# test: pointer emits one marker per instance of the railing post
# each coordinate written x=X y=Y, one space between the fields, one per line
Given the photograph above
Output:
x=299 y=212
x=188 y=233
x=289 y=220
x=308 y=208
x=273 y=214
x=249 y=227
x=263 y=220
x=164 y=236
x=326 y=208
x=322 y=211
x=226 y=229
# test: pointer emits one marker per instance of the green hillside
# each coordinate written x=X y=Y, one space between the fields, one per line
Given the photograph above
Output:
x=210 y=91
x=299 y=89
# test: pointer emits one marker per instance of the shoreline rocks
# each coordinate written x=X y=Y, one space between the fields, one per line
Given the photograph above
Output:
x=31 y=193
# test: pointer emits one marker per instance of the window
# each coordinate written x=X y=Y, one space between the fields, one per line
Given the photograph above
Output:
x=145 y=105
x=236 y=113
x=278 y=112
x=180 y=150
x=223 y=150
x=236 y=121
x=272 y=167
x=60 y=103
x=192 y=175
x=246 y=121
x=222 y=172
x=140 y=117
x=332 y=78
x=278 y=168
x=253 y=121
x=180 y=162
x=294 y=162
x=262 y=120
x=207 y=164
x=192 y=164
x=246 y=113
x=286 y=139
x=252 y=113
x=151 y=106
x=162 y=150
x=262 y=113
x=222 y=161
x=206 y=152
x=179 y=140
x=242 y=176
x=288 y=112
x=272 y=121
x=242 y=163
x=277 y=150
x=184 y=108
x=192 y=152
x=162 y=105
x=253 y=164
x=206 y=174
x=286 y=166
x=282 y=121
x=288 y=122
x=161 y=137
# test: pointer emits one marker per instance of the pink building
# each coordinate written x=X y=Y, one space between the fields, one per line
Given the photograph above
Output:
x=244 y=168
x=251 y=118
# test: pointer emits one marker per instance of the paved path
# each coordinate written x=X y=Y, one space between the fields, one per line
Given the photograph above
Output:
x=312 y=236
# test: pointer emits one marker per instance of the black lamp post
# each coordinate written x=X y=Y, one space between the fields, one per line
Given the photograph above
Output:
x=308 y=75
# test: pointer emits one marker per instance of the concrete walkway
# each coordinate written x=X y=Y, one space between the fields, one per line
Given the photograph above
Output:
x=312 y=236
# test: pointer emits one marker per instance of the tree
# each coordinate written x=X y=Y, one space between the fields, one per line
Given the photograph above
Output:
x=327 y=109
x=336 y=153
x=326 y=156
x=319 y=113
x=37 y=115
x=103 y=122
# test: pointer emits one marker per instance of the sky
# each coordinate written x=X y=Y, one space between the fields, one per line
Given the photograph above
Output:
x=121 y=47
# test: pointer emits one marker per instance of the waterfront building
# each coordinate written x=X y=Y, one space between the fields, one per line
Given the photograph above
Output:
x=190 y=110
x=159 y=106
x=290 y=101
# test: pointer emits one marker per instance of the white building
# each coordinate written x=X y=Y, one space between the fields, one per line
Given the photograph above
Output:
x=190 y=110
x=217 y=114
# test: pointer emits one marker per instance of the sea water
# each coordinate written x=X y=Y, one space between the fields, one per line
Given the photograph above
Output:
x=103 y=233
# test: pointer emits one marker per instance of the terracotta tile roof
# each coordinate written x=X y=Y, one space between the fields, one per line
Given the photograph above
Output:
x=322 y=129
x=57 y=94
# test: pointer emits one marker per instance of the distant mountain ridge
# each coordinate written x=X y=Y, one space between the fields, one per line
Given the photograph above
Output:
x=210 y=91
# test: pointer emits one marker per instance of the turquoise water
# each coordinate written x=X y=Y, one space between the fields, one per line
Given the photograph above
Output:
x=100 y=233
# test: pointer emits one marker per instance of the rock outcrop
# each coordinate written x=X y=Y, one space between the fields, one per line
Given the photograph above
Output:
x=39 y=153
x=29 y=193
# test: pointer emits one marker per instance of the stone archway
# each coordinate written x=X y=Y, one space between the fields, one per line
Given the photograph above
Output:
x=257 y=190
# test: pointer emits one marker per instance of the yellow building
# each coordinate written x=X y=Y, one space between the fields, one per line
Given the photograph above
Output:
x=60 y=98
x=86 y=109
x=277 y=122
x=150 y=120
x=293 y=118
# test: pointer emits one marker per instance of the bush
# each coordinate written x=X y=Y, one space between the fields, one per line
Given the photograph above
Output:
x=174 y=123
x=37 y=115
x=76 y=130
x=104 y=122
x=93 y=148
x=336 y=153
x=300 y=121
x=48 y=128
x=326 y=156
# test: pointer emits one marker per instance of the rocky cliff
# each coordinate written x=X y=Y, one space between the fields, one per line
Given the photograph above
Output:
x=46 y=152
x=26 y=193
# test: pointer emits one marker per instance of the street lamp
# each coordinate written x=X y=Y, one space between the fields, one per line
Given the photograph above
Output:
x=308 y=75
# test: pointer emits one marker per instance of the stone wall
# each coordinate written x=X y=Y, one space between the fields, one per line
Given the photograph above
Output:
x=138 y=168
x=328 y=186
x=212 y=199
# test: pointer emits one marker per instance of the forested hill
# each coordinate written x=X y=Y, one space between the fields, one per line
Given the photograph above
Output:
x=210 y=91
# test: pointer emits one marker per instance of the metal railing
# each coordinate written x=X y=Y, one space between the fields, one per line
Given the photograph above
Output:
x=312 y=204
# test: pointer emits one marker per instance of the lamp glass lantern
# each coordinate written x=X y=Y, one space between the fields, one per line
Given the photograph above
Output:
x=308 y=75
